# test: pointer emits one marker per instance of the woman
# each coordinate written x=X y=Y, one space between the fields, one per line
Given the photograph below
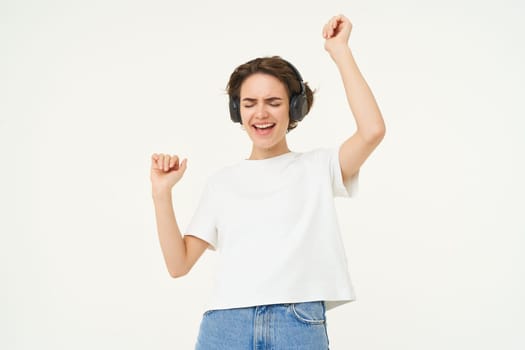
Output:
x=272 y=216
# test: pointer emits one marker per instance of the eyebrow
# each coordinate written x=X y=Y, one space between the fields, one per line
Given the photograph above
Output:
x=269 y=99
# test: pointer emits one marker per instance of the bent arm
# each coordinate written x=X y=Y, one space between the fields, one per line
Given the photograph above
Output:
x=180 y=254
x=370 y=124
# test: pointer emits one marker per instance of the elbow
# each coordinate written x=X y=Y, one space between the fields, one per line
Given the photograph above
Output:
x=179 y=272
x=375 y=134
x=380 y=132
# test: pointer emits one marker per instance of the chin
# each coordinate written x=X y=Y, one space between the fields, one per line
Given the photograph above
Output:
x=264 y=145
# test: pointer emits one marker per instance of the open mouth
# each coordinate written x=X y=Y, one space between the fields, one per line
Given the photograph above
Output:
x=264 y=127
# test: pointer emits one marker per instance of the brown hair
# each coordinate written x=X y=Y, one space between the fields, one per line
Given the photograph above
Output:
x=275 y=66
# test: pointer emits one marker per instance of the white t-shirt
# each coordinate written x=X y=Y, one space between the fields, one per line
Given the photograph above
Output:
x=274 y=224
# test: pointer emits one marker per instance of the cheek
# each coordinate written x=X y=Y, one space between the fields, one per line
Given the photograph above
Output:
x=285 y=118
x=244 y=117
x=282 y=113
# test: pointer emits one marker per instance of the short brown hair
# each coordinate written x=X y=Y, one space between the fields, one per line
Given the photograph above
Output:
x=277 y=67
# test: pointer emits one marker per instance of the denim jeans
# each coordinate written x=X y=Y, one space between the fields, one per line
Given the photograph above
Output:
x=265 y=327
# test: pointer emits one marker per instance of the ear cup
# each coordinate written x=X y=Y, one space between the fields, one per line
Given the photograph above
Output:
x=298 y=107
x=235 y=110
x=298 y=102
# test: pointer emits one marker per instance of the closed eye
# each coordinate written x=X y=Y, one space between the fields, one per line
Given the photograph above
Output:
x=272 y=101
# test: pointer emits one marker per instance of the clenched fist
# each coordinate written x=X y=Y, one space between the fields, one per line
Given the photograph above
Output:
x=336 y=34
x=166 y=171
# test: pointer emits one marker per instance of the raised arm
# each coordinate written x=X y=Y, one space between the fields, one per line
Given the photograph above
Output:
x=180 y=254
x=370 y=124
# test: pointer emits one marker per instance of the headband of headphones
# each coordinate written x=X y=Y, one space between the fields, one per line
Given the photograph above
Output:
x=298 y=102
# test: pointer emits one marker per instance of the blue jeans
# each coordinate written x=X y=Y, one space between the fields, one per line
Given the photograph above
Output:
x=265 y=327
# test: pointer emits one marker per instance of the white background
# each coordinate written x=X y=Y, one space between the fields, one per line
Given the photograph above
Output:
x=89 y=90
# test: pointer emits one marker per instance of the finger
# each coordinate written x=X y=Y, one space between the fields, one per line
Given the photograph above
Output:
x=328 y=29
x=337 y=28
x=158 y=160
x=339 y=20
x=183 y=165
x=174 y=162
x=166 y=163
x=334 y=24
x=154 y=158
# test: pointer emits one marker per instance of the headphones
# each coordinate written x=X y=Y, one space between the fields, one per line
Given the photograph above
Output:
x=298 y=102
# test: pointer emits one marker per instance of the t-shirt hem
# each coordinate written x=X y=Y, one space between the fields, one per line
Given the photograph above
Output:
x=330 y=303
x=211 y=245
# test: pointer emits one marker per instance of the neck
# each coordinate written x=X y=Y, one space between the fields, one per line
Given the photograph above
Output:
x=263 y=153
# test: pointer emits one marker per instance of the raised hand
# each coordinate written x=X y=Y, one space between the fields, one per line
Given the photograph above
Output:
x=336 y=33
x=166 y=171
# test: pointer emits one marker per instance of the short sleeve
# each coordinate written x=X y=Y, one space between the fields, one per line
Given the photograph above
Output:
x=203 y=223
x=340 y=188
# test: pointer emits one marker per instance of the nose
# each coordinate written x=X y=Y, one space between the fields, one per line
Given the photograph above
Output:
x=261 y=112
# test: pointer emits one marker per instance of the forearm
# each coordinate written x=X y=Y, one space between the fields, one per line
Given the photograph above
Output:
x=170 y=237
x=360 y=98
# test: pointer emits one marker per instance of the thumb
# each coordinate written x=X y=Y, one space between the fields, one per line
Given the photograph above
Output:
x=183 y=165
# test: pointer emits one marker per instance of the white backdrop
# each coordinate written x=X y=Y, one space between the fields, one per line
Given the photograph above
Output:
x=90 y=89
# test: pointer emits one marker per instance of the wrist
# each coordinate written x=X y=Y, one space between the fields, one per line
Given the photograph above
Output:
x=161 y=192
x=340 y=53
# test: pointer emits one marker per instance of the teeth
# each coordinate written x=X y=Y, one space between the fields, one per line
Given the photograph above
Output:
x=263 y=126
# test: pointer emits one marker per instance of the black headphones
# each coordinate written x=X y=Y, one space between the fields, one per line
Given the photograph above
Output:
x=298 y=102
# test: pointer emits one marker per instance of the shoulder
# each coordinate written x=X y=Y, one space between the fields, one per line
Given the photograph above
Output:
x=222 y=175
x=320 y=154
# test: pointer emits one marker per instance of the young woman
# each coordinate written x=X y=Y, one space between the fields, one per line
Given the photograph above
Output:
x=272 y=216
